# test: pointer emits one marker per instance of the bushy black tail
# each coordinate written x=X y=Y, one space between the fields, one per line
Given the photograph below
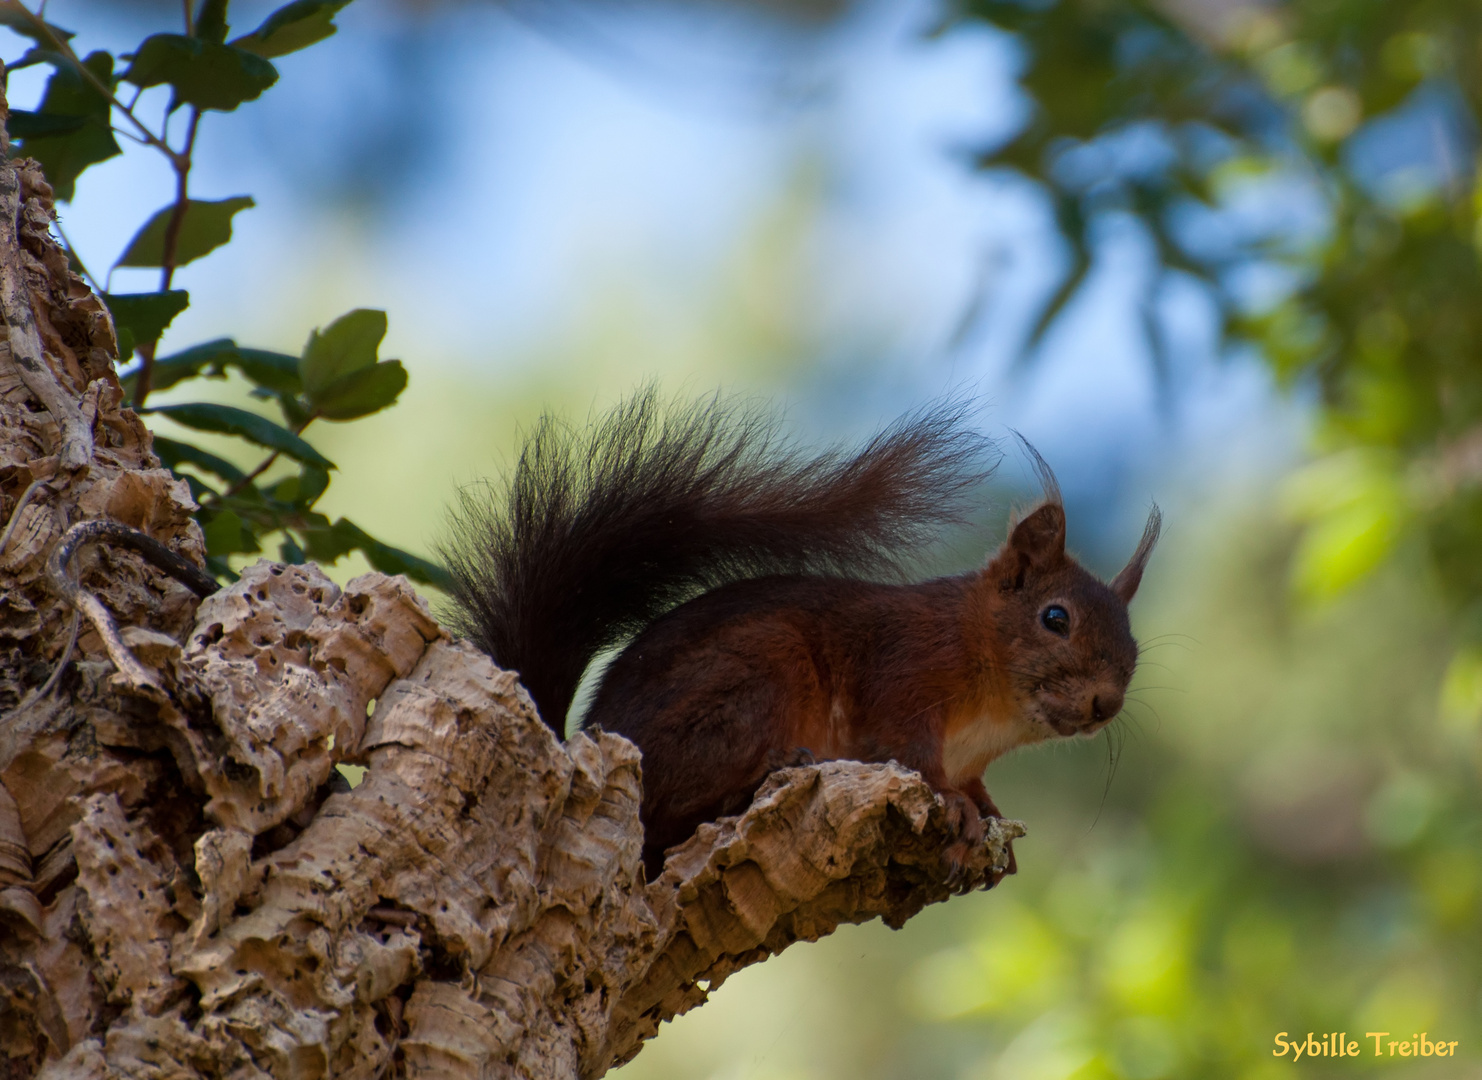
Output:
x=600 y=531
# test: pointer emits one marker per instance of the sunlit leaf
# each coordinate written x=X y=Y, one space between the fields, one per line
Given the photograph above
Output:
x=1460 y=704
x=1351 y=529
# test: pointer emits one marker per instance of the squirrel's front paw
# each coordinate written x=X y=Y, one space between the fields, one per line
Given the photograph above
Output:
x=966 y=826
x=963 y=819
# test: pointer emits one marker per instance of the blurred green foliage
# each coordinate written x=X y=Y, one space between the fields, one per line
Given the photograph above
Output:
x=338 y=376
x=1289 y=843
x=1294 y=847
x=1313 y=164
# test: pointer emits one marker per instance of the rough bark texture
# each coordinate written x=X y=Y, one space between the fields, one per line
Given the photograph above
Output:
x=188 y=887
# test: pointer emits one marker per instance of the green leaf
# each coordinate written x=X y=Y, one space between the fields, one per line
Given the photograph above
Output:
x=312 y=483
x=329 y=544
x=36 y=55
x=391 y=560
x=273 y=371
x=211 y=21
x=206 y=226
x=169 y=370
x=294 y=412
x=293 y=27
x=174 y=454
x=145 y=315
x=71 y=100
x=30 y=26
x=30 y=125
x=345 y=345
x=206 y=74
x=344 y=536
x=226 y=535
x=362 y=392
x=301 y=490
x=277 y=372
x=228 y=420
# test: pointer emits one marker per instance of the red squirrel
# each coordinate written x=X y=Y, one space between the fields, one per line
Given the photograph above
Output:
x=745 y=575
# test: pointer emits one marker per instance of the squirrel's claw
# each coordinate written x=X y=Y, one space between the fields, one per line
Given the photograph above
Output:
x=965 y=823
x=959 y=879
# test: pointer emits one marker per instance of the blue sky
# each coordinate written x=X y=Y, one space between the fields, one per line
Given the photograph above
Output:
x=489 y=181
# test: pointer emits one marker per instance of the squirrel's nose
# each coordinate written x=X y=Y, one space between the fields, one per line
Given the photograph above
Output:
x=1105 y=706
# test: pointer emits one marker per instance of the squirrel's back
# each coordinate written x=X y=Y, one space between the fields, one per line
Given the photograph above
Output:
x=600 y=531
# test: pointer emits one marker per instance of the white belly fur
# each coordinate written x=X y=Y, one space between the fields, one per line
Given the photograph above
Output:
x=969 y=749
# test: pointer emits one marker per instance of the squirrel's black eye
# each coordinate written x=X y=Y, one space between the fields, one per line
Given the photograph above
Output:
x=1056 y=620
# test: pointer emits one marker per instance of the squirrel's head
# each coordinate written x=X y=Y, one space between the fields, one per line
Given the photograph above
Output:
x=1063 y=639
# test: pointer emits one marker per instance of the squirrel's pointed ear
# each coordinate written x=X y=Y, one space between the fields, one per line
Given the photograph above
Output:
x=1034 y=544
x=1125 y=583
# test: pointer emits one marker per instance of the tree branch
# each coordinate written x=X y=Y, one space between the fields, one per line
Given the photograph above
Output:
x=190 y=886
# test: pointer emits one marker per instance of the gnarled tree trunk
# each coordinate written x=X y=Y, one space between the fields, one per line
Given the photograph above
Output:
x=189 y=887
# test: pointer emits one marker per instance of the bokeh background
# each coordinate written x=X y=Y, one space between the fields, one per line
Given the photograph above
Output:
x=1218 y=254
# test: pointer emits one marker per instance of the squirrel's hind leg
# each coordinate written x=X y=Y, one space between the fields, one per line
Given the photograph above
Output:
x=706 y=762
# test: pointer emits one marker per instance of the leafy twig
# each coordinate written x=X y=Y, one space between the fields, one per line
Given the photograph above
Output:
x=182 y=201
x=88 y=75
x=181 y=163
x=242 y=484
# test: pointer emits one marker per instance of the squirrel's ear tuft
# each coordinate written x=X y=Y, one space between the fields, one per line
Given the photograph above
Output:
x=1125 y=583
x=1034 y=544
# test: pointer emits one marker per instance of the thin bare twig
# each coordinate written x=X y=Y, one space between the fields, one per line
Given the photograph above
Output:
x=182 y=202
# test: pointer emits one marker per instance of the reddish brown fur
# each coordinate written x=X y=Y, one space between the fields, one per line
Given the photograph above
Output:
x=943 y=676
x=787 y=646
